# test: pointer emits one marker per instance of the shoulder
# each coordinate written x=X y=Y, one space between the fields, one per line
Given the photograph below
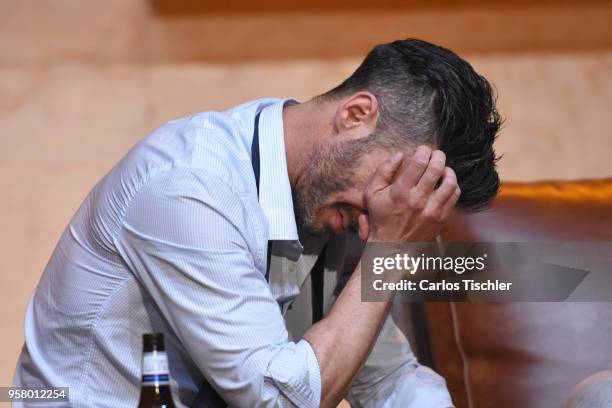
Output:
x=215 y=142
x=199 y=158
x=222 y=147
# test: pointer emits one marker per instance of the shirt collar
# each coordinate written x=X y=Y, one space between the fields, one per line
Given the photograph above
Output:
x=275 y=197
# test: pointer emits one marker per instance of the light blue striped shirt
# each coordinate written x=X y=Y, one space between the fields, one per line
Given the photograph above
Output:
x=174 y=239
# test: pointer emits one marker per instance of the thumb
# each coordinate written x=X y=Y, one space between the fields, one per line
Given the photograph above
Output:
x=364 y=227
x=383 y=176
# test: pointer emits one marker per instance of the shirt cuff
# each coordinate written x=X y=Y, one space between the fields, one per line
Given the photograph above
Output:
x=295 y=371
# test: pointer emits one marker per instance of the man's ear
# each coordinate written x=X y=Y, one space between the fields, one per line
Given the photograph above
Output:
x=357 y=113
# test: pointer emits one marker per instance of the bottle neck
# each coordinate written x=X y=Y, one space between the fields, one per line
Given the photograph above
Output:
x=155 y=370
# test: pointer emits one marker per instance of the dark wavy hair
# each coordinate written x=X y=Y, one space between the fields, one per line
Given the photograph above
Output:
x=429 y=95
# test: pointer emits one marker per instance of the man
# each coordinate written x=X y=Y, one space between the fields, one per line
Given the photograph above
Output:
x=175 y=239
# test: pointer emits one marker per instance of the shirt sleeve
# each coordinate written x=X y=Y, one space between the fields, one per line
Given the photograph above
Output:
x=392 y=377
x=188 y=238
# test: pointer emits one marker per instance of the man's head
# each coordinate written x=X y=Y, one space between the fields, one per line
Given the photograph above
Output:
x=404 y=94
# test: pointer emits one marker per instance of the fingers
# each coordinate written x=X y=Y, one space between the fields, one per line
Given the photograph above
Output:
x=435 y=170
x=421 y=196
x=449 y=205
x=444 y=198
x=412 y=172
x=383 y=176
x=364 y=226
x=446 y=189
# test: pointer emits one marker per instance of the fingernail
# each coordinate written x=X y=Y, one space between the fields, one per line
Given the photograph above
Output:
x=396 y=157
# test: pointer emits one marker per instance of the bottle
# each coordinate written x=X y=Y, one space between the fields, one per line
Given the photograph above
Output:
x=155 y=390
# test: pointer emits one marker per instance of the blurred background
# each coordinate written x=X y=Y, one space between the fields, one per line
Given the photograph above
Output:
x=81 y=81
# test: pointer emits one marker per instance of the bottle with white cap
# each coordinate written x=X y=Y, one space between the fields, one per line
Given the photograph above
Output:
x=155 y=390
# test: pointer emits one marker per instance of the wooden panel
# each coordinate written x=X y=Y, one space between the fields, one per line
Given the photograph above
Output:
x=170 y=7
x=477 y=29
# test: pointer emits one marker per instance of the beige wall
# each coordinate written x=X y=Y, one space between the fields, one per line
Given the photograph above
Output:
x=82 y=81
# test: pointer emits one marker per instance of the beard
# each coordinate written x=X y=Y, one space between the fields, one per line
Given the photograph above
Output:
x=331 y=170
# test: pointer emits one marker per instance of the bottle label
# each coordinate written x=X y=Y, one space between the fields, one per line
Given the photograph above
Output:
x=155 y=368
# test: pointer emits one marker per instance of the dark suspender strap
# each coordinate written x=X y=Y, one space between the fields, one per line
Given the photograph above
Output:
x=317 y=277
x=255 y=152
x=255 y=164
x=421 y=334
x=268 y=258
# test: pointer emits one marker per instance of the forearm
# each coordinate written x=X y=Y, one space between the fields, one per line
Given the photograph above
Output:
x=343 y=339
x=404 y=205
